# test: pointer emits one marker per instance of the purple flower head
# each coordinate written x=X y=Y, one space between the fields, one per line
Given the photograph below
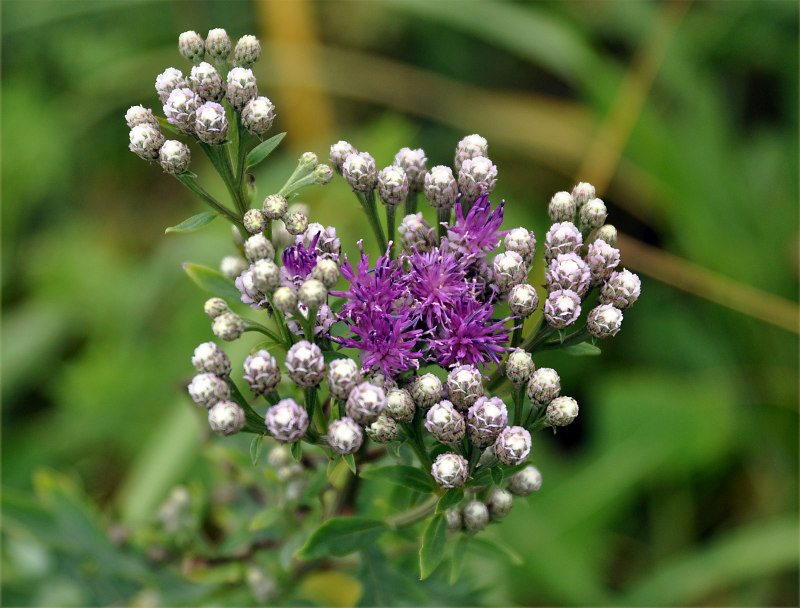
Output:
x=250 y=293
x=298 y=262
x=435 y=280
x=478 y=232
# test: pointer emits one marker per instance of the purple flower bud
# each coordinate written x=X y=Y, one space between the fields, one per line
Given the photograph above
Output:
x=464 y=386
x=139 y=115
x=562 y=308
x=604 y=321
x=345 y=436
x=509 y=269
x=218 y=44
x=523 y=300
x=247 y=51
x=392 y=186
x=232 y=266
x=206 y=389
x=146 y=141
x=211 y=123
x=485 y=420
x=208 y=357
x=523 y=242
x=562 y=411
x=562 y=208
x=339 y=153
x=445 y=423
x=343 y=375
x=226 y=418
x=476 y=516
x=582 y=193
x=543 y=387
x=568 y=271
x=621 y=290
x=562 y=238
x=360 y=172
x=214 y=307
x=477 y=177
x=519 y=366
x=441 y=187
x=416 y=233
x=513 y=445
x=525 y=482
x=286 y=421
x=413 y=163
x=181 y=108
x=167 y=81
x=400 y=405
x=426 y=391
x=383 y=430
x=241 y=88
x=228 y=326
x=174 y=157
x=365 y=403
x=499 y=502
x=206 y=82
x=261 y=372
x=602 y=259
x=258 y=115
x=275 y=206
x=305 y=364
x=470 y=147
x=192 y=46
x=450 y=470
x=593 y=214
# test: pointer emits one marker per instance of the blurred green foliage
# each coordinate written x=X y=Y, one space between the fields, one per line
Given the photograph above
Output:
x=677 y=486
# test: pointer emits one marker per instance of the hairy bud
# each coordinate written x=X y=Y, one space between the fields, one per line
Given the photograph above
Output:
x=206 y=389
x=445 y=423
x=562 y=411
x=413 y=163
x=226 y=418
x=523 y=300
x=449 y=470
x=192 y=46
x=400 y=405
x=208 y=357
x=345 y=436
x=525 y=482
x=305 y=364
x=286 y=421
x=543 y=387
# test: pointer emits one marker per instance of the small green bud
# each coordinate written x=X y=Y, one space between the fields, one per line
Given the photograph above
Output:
x=562 y=411
x=339 y=153
x=174 y=157
x=582 y=193
x=519 y=366
x=500 y=502
x=226 y=418
x=593 y=214
x=307 y=161
x=247 y=51
x=285 y=300
x=525 y=482
x=228 y=326
x=562 y=208
x=296 y=223
x=232 y=266
x=214 y=307
x=312 y=294
x=400 y=405
x=322 y=175
x=476 y=516
x=426 y=391
x=218 y=44
x=258 y=115
x=191 y=46
x=326 y=271
x=523 y=300
x=383 y=430
x=606 y=233
x=275 y=206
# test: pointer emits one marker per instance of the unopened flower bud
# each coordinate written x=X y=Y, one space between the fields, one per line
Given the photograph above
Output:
x=445 y=423
x=322 y=175
x=312 y=294
x=562 y=308
x=499 y=502
x=343 y=376
x=464 y=386
x=261 y=372
x=476 y=177
x=275 y=206
x=266 y=276
x=383 y=430
x=454 y=519
x=360 y=172
x=365 y=403
x=607 y=233
x=543 y=387
x=146 y=141
x=562 y=238
x=602 y=259
x=174 y=157
x=228 y=326
x=286 y=421
x=214 y=307
x=604 y=321
x=621 y=290
x=568 y=271
x=426 y=391
x=476 y=516
x=285 y=300
x=218 y=44
x=562 y=411
x=208 y=357
x=280 y=456
x=206 y=389
x=254 y=221
x=296 y=223
x=339 y=153
x=450 y=470
x=139 y=115
x=247 y=51
x=441 y=187
x=206 y=82
x=525 y=482
x=593 y=214
x=326 y=271
x=470 y=147
x=400 y=405
x=392 y=186
x=192 y=46
x=523 y=242
x=241 y=88
x=562 y=208
x=226 y=418
x=513 y=445
x=523 y=300
x=582 y=193
x=416 y=233
x=509 y=270
x=181 y=109
x=414 y=164
x=258 y=115
x=519 y=366
x=305 y=364
x=211 y=123
x=307 y=161
x=485 y=419
x=167 y=81
x=232 y=266
x=345 y=436
x=258 y=247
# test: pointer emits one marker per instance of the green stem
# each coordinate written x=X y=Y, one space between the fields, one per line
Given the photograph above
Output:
x=250 y=326
x=218 y=155
x=516 y=337
x=443 y=217
x=574 y=338
x=191 y=183
x=411 y=203
x=244 y=138
x=415 y=514
x=519 y=400
x=367 y=201
x=390 y=224
x=250 y=414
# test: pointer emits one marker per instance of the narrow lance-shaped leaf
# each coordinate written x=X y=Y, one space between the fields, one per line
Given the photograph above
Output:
x=434 y=541
x=212 y=281
x=255 y=448
x=340 y=536
x=449 y=499
x=582 y=349
x=264 y=149
x=193 y=223
x=401 y=475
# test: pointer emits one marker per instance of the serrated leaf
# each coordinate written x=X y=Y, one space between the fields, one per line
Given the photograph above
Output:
x=499 y=548
x=497 y=475
x=401 y=475
x=193 y=223
x=434 y=541
x=449 y=499
x=297 y=451
x=582 y=349
x=350 y=461
x=255 y=448
x=340 y=536
x=264 y=519
x=459 y=550
x=212 y=281
x=264 y=149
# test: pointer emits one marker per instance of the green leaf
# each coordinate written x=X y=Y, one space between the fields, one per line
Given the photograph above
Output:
x=297 y=451
x=194 y=223
x=497 y=475
x=255 y=448
x=434 y=541
x=459 y=550
x=582 y=349
x=264 y=519
x=167 y=126
x=331 y=355
x=401 y=475
x=449 y=499
x=340 y=536
x=499 y=548
x=262 y=150
x=350 y=461
x=212 y=281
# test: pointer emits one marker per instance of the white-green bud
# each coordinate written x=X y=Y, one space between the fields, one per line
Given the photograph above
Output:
x=146 y=141
x=228 y=326
x=477 y=176
x=464 y=386
x=167 y=81
x=593 y=214
x=562 y=308
x=523 y=242
x=343 y=376
x=326 y=271
x=470 y=147
x=275 y=206
x=241 y=88
x=602 y=259
x=181 y=109
x=562 y=208
x=414 y=165
x=523 y=300
x=476 y=516
x=286 y=421
x=441 y=187
x=322 y=175
x=500 y=502
x=261 y=372
x=258 y=247
x=206 y=82
x=383 y=430
x=562 y=411
x=208 y=357
x=392 y=186
x=543 y=387
x=266 y=276
x=247 y=51
x=285 y=300
x=525 y=482
x=378 y=378
x=192 y=46
x=211 y=123
x=485 y=419
x=426 y=390
x=139 y=115
x=509 y=270
x=232 y=266
x=254 y=221
x=226 y=418
x=206 y=389
x=519 y=366
x=604 y=321
x=416 y=233
x=258 y=115
x=365 y=403
x=296 y=223
x=305 y=364
x=607 y=233
x=562 y=237
x=513 y=445
x=621 y=290
x=400 y=405
x=307 y=161
x=218 y=44
x=582 y=193
x=454 y=519
x=345 y=436
x=450 y=470
x=174 y=157
x=280 y=456
x=312 y=294
x=339 y=153
x=445 y=423
x=360 y=172
x=214 y=307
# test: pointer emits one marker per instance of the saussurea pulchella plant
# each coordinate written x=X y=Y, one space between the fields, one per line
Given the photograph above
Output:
x=394 y=367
